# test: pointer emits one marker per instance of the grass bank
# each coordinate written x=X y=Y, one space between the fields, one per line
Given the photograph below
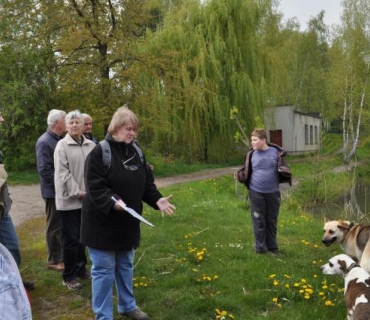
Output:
x=199 y=264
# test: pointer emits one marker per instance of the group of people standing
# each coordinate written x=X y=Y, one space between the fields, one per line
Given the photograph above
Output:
x=77 y=189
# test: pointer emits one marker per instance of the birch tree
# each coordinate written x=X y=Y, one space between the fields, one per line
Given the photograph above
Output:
x=354 y=45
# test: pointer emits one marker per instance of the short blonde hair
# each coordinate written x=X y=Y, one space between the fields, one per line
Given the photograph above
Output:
x=121 y=118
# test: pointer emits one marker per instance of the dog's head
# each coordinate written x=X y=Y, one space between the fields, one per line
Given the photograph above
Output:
x=339 y=264
x=334 y=230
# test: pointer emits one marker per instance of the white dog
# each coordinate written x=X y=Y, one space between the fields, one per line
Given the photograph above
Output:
x=356 y=285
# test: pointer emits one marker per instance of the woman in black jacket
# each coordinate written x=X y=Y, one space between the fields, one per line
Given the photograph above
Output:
x=110 y=233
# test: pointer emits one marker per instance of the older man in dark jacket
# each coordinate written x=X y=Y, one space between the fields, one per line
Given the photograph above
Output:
x=45 y=147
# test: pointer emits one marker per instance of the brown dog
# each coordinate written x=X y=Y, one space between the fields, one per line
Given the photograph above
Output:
x=353 y=238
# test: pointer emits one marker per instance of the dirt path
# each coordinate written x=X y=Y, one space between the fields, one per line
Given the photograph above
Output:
x=28 y=203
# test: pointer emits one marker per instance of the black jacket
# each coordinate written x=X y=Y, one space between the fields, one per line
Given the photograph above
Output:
x=103 y=227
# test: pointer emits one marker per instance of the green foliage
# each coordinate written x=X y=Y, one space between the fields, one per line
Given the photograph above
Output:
x=181 y=66
x=24 y=99
x=199 y=85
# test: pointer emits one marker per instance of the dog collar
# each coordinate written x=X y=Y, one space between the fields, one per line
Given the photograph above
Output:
x=353 y=265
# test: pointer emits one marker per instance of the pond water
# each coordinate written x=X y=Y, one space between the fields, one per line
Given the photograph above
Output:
x=353 y=204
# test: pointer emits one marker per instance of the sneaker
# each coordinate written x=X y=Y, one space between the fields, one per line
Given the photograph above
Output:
x=137 y=314
x=72 y=284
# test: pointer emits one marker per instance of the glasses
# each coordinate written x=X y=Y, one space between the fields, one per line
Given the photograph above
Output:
x=133 y=167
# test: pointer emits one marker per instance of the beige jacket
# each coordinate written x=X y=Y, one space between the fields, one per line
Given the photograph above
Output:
x=69 y=163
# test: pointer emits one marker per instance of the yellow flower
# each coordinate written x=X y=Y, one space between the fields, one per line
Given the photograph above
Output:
x=274 y=300
x=309 y=291
x=287 y=285
x=272 y=276
x=276 y=283
x=329 y=303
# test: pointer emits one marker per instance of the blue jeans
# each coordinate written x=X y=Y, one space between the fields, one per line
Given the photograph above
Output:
x=109 y=267
x=9 y=238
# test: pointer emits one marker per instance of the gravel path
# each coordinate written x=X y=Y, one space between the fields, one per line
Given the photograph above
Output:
x=28 y=203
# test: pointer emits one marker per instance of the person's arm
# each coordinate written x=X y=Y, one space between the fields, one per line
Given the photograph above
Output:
x=63 y=175
x=45 y=163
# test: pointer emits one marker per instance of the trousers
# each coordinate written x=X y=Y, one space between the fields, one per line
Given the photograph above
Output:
x=264 y=212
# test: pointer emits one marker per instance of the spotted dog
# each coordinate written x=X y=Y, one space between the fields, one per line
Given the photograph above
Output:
x=356 y=285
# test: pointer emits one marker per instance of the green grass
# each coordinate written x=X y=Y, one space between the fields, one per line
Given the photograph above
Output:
x=201 y=260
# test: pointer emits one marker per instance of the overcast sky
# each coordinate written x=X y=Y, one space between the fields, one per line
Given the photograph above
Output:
x=305 y=9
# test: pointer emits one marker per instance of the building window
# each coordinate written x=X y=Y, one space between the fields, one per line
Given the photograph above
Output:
x=316 y=135
x=311 y=135
x=306 y=136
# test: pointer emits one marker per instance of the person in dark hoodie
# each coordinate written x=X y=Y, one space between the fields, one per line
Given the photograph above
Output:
x=110 y=233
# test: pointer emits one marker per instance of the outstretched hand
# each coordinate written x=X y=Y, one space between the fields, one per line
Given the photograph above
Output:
x=165 y=206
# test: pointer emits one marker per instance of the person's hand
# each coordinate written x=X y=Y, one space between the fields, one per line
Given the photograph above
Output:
x=118 y=207
x=165 y=206
x=82 y=195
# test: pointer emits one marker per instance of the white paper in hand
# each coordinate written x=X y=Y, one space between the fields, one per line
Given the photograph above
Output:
x=133 y=213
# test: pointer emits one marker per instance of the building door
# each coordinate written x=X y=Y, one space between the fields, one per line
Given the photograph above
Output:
x=276 y=136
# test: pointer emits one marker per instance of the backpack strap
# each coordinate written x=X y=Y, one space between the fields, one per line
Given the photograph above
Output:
x=138 y=150
x=106 y=153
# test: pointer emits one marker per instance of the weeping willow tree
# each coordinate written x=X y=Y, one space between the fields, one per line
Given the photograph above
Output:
x=207 y=58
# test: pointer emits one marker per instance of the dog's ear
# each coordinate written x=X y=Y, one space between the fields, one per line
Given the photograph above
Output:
x=343 y=265
x=343 y=225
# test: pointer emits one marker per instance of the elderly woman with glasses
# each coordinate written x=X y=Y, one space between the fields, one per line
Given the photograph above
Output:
x=69 y=161
x=110 y=233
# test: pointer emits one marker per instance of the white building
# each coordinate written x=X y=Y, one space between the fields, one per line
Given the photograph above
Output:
x=296 y=132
